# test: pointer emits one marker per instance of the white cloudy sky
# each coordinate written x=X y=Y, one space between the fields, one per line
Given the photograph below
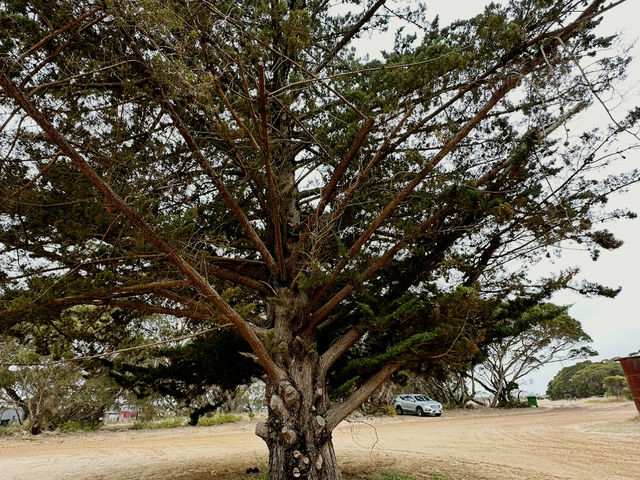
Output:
x=614 y=324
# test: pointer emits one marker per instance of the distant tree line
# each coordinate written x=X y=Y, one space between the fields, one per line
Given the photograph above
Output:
x=514 y=340
x=588 y=379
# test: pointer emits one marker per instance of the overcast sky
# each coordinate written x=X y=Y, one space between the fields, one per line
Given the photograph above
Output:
x=614 y=324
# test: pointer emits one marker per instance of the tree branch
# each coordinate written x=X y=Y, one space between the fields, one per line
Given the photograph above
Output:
x=445 y=210
x=57 y=32
x=58 y=51
x=508 y=85
x=197 y=280
x=146 y=308
x=338 y=413
x=330 y=187
x=348 y=36
x=274 y=194
x=234 y=277
x=343 y=344
x=204 y=163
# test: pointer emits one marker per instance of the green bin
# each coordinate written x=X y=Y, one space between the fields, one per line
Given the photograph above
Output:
x=533 y=401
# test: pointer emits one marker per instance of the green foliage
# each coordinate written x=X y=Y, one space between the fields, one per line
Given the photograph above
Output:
x=316 y=277
x=198 y=373
x=428 y=253
x=513 y=403
x=272 y=343
x=525 y=340
x=168 y=422
x=218 y=419
x=11 y=430
x=390 y=476
x=53 y=395
x=584 y=379
x=378 y=409
x=79 y=426
x=615 y=385
x=346 y=388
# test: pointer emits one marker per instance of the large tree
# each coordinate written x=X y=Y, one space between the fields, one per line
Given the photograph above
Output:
x=238 y=163
x=52 y=395
x=538 y=336
x=584 y=379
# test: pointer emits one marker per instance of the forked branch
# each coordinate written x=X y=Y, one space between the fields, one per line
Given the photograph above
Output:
x=204 y=163
x=197 y=280
x=274 y=194
x=353 y=31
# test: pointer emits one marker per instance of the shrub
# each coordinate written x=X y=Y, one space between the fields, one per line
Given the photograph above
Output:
x=582 y=380
x=11 y=429
x=513 y=404
x=169 y=422
x=79 y=426
x=219 y=419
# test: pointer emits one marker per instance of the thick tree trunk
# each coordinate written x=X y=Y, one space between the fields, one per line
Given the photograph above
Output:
x=296 y=431
x=286 y=463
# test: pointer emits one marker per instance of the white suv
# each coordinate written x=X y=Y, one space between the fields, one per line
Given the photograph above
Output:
x=418 y=404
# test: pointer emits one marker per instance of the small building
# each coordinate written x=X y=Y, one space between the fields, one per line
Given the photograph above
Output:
x=120 y=416
x=11 y=415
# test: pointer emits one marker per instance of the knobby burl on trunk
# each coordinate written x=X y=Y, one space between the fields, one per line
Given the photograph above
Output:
x=296 y=431
x=301 y=417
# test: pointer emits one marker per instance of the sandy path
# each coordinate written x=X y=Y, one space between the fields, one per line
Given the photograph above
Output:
x=570 y=442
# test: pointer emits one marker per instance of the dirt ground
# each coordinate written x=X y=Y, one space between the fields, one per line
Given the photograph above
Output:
x=561 y=440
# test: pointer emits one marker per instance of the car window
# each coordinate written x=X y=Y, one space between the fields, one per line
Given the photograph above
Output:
x=422 y=398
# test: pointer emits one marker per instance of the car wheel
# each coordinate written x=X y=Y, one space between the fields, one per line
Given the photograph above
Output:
x=438 y=414
x=399 y=410
x=419 y=412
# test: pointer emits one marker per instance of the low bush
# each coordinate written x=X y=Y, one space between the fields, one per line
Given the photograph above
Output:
x=377 y=408
x=513 y=404
x=168 y=422
x=218 y=419
x=79 y=426
x=11 y=429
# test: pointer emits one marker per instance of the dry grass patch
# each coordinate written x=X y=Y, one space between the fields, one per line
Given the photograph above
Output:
x=631 y=426
x=612 y=399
